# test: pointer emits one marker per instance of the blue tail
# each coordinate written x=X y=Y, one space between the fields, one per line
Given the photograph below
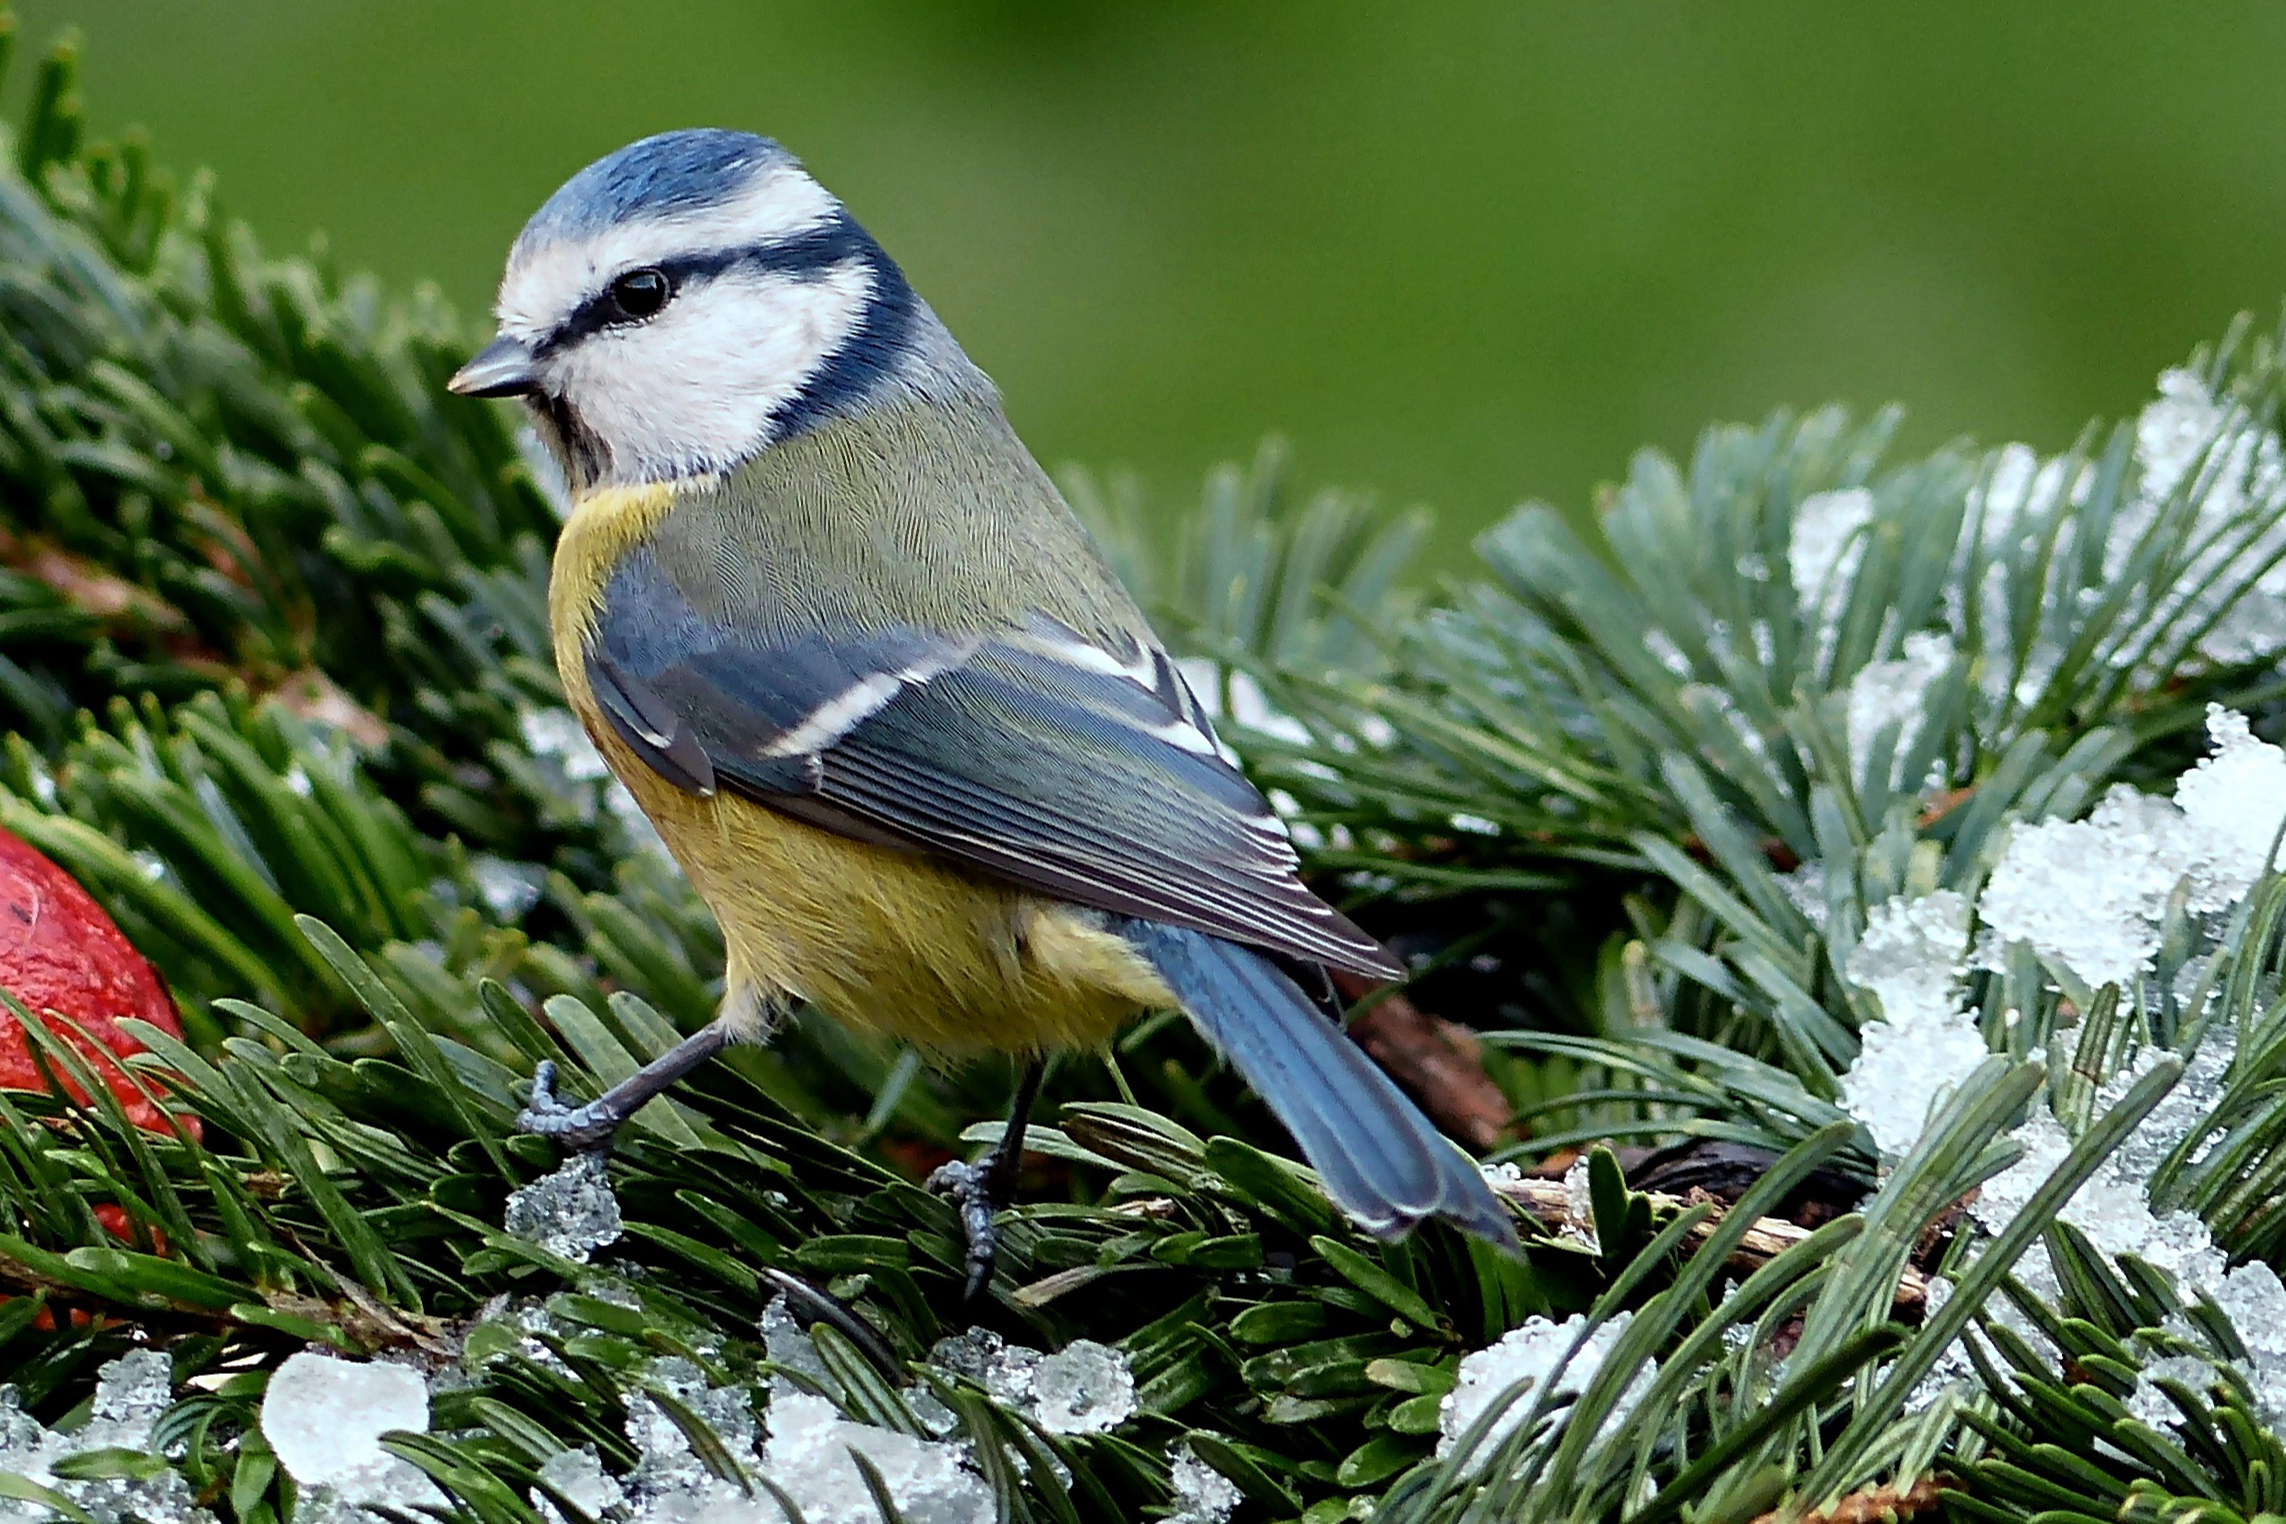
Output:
x=1380 y=1160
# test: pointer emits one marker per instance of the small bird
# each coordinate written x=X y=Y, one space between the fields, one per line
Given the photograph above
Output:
x=887 y=704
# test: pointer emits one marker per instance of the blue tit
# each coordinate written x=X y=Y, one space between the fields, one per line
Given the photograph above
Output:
x=885 y=701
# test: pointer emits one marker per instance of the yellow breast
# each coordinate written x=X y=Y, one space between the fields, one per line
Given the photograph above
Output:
x=890 y=941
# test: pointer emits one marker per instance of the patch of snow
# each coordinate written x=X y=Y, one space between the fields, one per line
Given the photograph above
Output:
x=580 y=1477
x=809 y=1454
x=324 y=1417
x=1532 y=1354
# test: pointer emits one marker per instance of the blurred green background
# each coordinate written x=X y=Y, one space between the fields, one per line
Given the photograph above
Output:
x=1462 y=253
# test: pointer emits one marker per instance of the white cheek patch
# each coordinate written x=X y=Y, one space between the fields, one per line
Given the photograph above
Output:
x=696 y=388
x=546 y=283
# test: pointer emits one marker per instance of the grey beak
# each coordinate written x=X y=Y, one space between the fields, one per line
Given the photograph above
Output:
x=503 y=368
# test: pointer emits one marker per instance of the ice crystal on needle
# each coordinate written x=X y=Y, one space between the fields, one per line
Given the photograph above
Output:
x=1083 y=1388
x=2239 y=466
x=571 y=1213
x=1532 y=1354
x=1822 y=554
x=669 y=1464
x=130 y=1395
x=2089 y=894
x=1912 y=959
x=788 y=1344
x=1203 y=1495
x=1886 y=693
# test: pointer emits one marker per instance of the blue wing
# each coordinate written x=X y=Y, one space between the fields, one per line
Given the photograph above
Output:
x=1031 y=754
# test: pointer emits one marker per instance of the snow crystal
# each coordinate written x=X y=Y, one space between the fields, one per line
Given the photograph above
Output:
x=1806 y=887
x=2113 y=1209
x=2181 y=1110
x=1910 y=956
x=1532 y=1353
x=324 y=1417
x=2090 y=894
x=667 y=1460
x=2240 y=466
x=580 y=1477
x=1083 y=1388
x=1824 y=549
x=130 y=1395
x=530 y=1319
x=2234 y=801
x=2002 y=1197
x=1912 y=959
x=2154 y=1406
x=2113 y=1206
x=1203 y=1495
x=809 y=1455
x=1003 y=1369
x=1886 y=693
x=2012 y=485
x=787 y=1342
x=1902 y=1074
x=571 y=1213
x=2256 y=1304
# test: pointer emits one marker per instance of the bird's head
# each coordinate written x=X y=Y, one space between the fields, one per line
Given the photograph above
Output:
x=682 y=304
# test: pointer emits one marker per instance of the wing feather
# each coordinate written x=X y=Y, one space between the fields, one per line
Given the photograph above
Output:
x=1033 y=756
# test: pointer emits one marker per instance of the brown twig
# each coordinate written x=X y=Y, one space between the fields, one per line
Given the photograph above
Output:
x=1770 y=1237
x=362 y=1322
x=1875 y=1505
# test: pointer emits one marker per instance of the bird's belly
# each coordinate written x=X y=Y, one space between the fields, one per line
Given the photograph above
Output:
x=890 y=941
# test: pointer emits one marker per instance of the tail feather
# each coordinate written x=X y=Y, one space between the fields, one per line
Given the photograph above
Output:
x=1379 y=1159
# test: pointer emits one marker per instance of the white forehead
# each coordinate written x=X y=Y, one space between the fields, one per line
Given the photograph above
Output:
x=550 y=275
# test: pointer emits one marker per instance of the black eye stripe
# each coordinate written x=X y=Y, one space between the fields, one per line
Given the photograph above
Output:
x=811 y=253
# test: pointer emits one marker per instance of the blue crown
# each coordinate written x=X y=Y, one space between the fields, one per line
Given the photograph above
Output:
x=658 y=176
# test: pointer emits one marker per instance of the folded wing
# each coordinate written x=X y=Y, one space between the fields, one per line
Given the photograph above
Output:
x=1030 y=754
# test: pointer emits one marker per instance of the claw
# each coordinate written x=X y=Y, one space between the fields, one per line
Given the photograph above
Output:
x=577 y=1129
x=970 y=1188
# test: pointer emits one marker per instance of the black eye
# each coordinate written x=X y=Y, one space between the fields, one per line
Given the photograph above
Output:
x=640 y=293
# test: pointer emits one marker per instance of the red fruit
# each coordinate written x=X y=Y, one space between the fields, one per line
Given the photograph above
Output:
x=60 y=954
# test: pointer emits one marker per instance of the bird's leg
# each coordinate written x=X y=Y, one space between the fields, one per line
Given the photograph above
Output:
x=583 y=1129
x=980 y=1190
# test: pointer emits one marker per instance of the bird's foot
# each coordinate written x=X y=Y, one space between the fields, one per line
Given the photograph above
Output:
x=575 y=1129
x=970 y=1187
